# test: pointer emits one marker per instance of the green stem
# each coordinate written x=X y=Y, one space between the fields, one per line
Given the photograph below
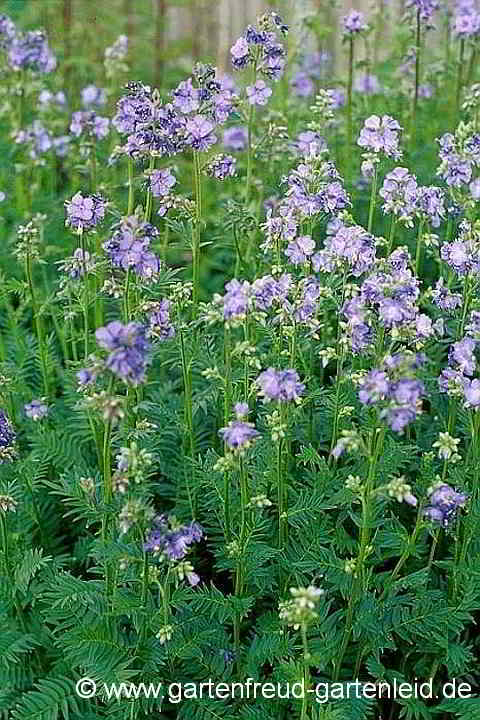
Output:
x=391 y=238
x=131 y=195
x=149 y=200
x=188 y=414
x=86 y=289
x=306 y=672
x=373 y=198
x=38 y=324
x=126 y=296
x=196 y=230
x=418 y=254
x=227 y=409
x=461 y=60
x=351 y=56
x=248 y=185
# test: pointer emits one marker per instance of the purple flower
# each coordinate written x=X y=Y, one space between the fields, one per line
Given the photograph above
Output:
x=474 y=188
x=398 y=417
x=302 y=84
x=471 y=391
x=239 y=53
x=238 y=435
x=380 y=135
x=266 y=290
x=200 y=133
x=128 y=247
x=36 y=410
x=31 y=51
x=444 y=503
x=338 y=97
x=425 y=8
x=375 y=386
x=93 y=96
x=87 y=121
x=222 y=167
x=161 y=182
x=185 y=97
x=84 y=213
x=300 y=250
x=280 y=385
x=259 y=93
x=399 y=191
x=445 y=299
x=407 y=391
x=241 y=410
x=86 y=376
x=171 y=539
x=236 y=299
x=235 y=138
x=307 y=142
x=430 y=202
x=467 y=24
x=367 y=84
x=7 y=438
x=354 y=23
x=462 y=353
x=129 y=346
x=160 y=325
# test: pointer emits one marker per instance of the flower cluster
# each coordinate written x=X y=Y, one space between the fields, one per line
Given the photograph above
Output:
x=84 y=213
x=239 y=434
x=280 y=385
x=170 y=539
x=443 y=504
x=395 y=387
x=7 y=439
x=459 y=155
x=381 y=135
x=26 y=51
x=128 y=248
x=36 y=409
x=260 y=47
x=354 y=23
x=87 y=122
x=128 y=347
x=300 y=610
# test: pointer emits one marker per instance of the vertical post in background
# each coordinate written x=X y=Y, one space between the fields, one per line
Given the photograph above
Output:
x=160 y=29
x=67 y=40
x=128 y=15
x=195 y=29
x=224 y=16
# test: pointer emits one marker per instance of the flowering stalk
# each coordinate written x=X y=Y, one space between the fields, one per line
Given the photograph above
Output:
x=149 y=199
x=461 y=60
x=373 y=198
x=188 y=415
x=418 y=253
x=239 y=576
x=281 y=484
x=391 y=238
x=86 y=288
x=360 y=581
x=38 y=323
x=349 y=106
x=131 y=196
x=306 y=671
x=227 y=409
x=196 y=229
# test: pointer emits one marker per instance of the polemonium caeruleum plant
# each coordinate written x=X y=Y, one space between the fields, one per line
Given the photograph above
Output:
x=239 y=371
